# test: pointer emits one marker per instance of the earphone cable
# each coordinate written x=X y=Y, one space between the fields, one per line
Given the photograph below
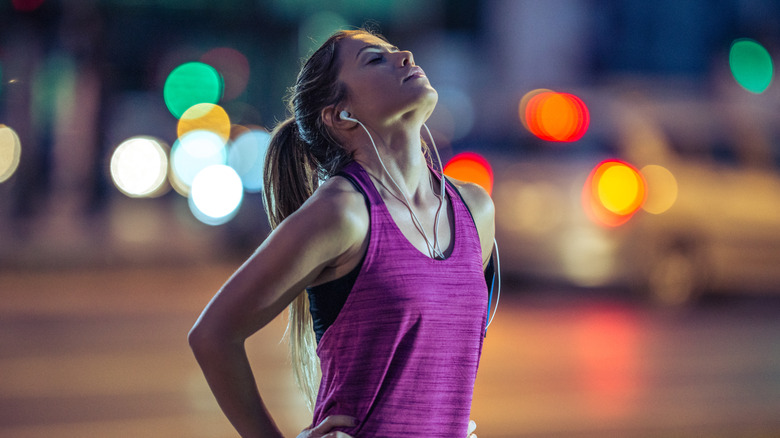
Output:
x=432 y=248
x=498 y=277
x=443 y=193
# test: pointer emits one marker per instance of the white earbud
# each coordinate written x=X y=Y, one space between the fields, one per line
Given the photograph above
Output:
x=344 y=115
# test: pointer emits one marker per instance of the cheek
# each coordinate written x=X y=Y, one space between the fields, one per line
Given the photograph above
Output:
x=374 y=93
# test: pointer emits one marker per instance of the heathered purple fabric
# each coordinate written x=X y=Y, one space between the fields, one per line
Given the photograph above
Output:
x=402 y=355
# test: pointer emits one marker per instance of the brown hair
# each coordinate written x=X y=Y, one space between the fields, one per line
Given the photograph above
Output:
x=302 y=152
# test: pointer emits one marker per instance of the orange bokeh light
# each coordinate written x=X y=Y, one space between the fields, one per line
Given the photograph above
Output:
x=613 y=192
x=554 y=116
x=471 y=167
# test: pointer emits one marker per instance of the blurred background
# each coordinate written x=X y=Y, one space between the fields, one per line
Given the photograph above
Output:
x=631 y=149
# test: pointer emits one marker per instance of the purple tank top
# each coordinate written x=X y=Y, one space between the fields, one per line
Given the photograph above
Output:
x=403 y=353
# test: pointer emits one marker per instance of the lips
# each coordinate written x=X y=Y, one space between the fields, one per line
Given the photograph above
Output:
x=415 y=72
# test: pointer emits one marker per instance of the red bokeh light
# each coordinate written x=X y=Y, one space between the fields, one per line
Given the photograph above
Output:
x=471 y=167
x=233 y=66
x=554 y=116
x=26 y=5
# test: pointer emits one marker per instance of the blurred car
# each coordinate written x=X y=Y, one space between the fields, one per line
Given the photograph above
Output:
x=710 y=216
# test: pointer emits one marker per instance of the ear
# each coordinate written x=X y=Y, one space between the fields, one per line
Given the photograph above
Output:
x=330 y=116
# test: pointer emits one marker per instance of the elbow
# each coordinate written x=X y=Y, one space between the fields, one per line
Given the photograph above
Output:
x=202 y=339
x=206 y=340
x=197 y=337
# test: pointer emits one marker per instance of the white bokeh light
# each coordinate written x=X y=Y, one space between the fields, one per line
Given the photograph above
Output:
x=193 y=152
x=216 y=194
x=139 y=167
x=10 y=152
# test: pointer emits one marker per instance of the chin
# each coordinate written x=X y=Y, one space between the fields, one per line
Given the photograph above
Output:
x=422 y=105
x=431 y=100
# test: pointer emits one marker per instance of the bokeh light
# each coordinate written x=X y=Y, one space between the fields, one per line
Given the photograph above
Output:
x=552 y=116
x=523 y=112
x=190 y=84
x=247 y=156
x=139 y=167
x=26 y=5
x=751 y=65
x=192 y=153
x=216 y=194
x=205 y=117
x=620 y=189
x=233 y=66
x=606 y=343
x=661 y=189
x=471 y=167
x=10 y=152
x=613 y=192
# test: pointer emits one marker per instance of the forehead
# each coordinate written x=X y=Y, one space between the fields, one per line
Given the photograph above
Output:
x=350 y=46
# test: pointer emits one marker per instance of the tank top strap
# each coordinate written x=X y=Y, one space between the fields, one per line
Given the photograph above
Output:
x=465 y=228
x=355 y=172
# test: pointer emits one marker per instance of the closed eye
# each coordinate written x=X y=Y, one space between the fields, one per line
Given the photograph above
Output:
x=377 y=51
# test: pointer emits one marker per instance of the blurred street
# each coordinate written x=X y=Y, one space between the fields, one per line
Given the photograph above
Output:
x=626 y=145
x=87 y=353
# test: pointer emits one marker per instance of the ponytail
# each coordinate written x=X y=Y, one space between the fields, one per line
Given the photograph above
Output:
x=301 y=153
x=290 y=178
x=290 y=175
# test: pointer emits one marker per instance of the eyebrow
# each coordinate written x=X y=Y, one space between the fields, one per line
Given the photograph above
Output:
x=377 y=47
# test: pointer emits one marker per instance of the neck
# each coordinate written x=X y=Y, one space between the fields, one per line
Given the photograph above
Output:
x=401 y=153
x=402 y=156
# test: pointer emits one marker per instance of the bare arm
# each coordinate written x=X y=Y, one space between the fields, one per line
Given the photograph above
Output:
x=314 y=239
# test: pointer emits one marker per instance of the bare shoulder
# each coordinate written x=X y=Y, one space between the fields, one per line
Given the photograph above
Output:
x=477 y=199
x=336 y=206
x=332 y=228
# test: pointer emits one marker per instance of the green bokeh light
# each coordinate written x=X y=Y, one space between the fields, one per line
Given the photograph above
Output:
x=190 y=84
x=751 y=65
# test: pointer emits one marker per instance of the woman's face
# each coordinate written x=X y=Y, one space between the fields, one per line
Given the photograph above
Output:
x=384 y=84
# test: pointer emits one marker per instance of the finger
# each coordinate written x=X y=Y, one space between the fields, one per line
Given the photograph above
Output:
x=337 y=435
x=334 y=421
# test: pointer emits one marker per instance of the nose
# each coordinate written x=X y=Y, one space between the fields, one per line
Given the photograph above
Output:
x=406 y=58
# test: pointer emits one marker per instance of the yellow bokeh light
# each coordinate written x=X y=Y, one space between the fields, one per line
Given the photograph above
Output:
x=10 y=152
x=620 y=189
x=661 y=189
x=205 y=117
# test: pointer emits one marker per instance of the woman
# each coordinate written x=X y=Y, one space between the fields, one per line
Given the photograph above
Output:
x=394 y=262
